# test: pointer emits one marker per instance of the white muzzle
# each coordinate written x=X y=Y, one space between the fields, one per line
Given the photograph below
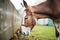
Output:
x=25 y=30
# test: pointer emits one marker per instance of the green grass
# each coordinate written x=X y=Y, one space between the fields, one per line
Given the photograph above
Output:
x=42 y=33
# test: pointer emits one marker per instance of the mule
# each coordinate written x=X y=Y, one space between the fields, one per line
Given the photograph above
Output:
x=28 y=25
x=48 y=9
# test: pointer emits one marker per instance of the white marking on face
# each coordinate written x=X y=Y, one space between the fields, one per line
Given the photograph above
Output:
x=25 y=30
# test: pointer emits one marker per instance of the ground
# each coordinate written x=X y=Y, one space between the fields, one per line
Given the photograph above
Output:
x=43 y=33
x=40 y=33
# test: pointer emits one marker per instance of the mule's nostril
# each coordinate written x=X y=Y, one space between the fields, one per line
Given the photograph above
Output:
x=23 y=33
x=27 y=33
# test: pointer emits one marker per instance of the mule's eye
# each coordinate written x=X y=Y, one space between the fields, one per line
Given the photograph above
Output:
x=26 y=18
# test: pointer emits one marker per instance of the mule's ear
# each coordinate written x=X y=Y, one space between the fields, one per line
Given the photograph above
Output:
x=22 y=5
x=25 y=4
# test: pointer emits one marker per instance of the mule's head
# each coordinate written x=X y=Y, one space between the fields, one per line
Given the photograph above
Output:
x=29 y=21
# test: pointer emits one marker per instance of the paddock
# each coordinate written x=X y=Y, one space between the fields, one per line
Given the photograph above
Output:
x=11 y=21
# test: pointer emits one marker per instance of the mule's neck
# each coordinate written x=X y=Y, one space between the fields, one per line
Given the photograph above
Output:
x=54 y=5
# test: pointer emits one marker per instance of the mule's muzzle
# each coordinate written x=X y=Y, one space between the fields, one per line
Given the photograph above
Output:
x=25 y=30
